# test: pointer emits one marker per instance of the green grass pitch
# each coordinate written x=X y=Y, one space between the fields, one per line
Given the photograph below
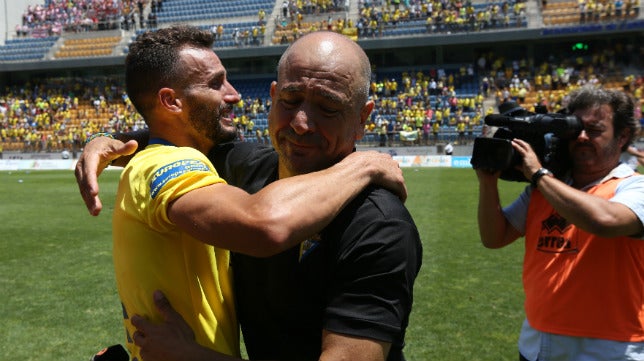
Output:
x=58 y=298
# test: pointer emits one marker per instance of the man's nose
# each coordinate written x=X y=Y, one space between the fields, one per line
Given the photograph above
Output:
x=231 y=95
x=583 y=135
x=301 y=122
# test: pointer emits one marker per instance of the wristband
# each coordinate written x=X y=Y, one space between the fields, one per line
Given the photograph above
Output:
x=99 y=134
x=538 y=174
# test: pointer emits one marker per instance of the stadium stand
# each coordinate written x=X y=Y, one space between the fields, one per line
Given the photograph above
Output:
x=588 y=11
x=422 y=104
x=88 y=47
x=429 y=16
x=50 y=119
x=55 y=16
x=560 y=12
x=20 y=49
x=194 y=10
x=291 y=19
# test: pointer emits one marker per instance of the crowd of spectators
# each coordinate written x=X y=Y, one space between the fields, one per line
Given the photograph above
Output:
x=298 y=17
x=439 y=15
x=548 y=81
x=597 y=10
x=415 y=107
x=290 y=8
x=545 y=86
x=249 y=36
x=412 y=108
x=301 y=17
x=53 y=115
x=56 y=16
x=376 y=17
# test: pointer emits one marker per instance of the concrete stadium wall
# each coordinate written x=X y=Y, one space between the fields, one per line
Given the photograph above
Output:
x=36 y=164
x=423 y=156
x=406 y=161
x=408 y=157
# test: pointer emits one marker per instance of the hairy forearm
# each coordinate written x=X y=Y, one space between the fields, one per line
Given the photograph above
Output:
x=588 y=212
x=295 y=208
x=494 y=229
x=284 y=213
x=279 y=216
x=298 y=207
x=492 y=222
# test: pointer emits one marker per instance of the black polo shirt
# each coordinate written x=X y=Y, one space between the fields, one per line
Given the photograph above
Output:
x=356 y=277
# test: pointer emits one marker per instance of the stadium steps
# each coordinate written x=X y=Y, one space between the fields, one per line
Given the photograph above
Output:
x=22 y=49
x=193 y=10
x=90 y=44
x=533 y=15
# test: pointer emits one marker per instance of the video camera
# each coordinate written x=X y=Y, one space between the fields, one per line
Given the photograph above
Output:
x=543 y=131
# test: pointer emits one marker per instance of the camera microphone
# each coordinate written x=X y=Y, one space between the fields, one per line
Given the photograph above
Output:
x=499 y=120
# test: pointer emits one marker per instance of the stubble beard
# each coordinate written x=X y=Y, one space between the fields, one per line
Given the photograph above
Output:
x=210 y=126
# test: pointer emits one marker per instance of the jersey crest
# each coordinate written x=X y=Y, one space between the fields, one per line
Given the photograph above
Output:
x=309 y=246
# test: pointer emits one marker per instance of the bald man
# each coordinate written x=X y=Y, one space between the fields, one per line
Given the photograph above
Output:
x=346 y=293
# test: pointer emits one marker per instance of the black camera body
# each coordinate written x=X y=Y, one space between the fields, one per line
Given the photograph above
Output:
x=545 y=132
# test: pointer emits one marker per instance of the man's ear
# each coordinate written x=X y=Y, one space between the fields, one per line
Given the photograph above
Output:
x=169 y=100
x=623 y=138
x=365 y=112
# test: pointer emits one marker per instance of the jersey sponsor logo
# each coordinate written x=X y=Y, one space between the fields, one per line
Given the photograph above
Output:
x=174 y=170
x=552 y=238
x=554 y=223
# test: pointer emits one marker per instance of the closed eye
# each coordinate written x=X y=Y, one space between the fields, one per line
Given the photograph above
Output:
x=289 y=103
x=329 y=111
x=216 y=84
x=593 y=131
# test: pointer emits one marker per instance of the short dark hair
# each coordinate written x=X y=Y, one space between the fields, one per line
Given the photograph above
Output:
x=621 y=103
x=151 y=62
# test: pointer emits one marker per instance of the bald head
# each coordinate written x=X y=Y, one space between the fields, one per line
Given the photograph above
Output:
x=331 y=51
x=320 y=102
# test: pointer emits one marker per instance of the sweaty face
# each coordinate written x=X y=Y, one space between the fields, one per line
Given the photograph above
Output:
x=596 y=147
x=208 y=97
x=314 y=120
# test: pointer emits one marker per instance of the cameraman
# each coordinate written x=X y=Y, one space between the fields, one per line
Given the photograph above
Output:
x=583 y=270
